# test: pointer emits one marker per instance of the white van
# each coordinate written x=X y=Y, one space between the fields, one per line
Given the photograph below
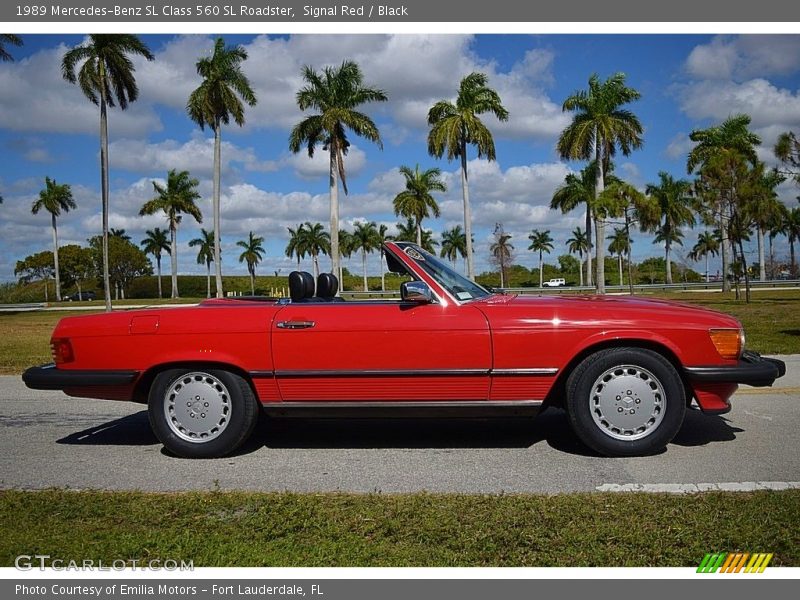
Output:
x=555 y=283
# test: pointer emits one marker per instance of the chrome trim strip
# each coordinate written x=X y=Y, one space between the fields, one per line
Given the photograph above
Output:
x=405 y=373
x=542 y=371
x=384 y=373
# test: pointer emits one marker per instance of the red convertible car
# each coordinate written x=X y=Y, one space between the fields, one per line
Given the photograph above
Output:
x=624 y=369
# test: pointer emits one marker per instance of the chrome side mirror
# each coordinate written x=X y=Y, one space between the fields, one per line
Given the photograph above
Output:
x=416 y=291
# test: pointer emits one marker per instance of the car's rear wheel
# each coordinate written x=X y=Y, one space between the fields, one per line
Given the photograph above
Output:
x=201 y=413
x=625 y=401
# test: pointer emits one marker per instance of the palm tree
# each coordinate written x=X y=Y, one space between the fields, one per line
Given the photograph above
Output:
x=54 y=198
x=346 y=249
x=315 y=241
x=293 y=248
x=454 y=126
x=578 y=244
x=674 y=203
x=218 y=98
x=793 y=233
x=119 y=233
x=540 y=242
x=156 y=242
x=761 y=206
x=620 y=245
x=205 y=254
x=707 y=245
x=335 y=93
x=787 y=150
x=8 y=38
x=416 y=201
x=723 y=148
x=600 y=125
x=178 y=197
x=501 y=250
x=381 y=238
x=577 y=190
x=365 y=239
x=454 y=244
x=407 y=232
x=777 y=226
x=252 y=255
x=668 y=237
x=106 y=79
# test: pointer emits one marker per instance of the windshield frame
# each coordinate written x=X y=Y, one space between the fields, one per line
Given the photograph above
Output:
x=442 y=274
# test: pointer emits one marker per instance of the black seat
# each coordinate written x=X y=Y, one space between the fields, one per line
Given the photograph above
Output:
x=301 y=286
x=327 y=286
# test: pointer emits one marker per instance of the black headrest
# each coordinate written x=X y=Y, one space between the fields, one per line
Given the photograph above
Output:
x=301 y=285
x=327 y=285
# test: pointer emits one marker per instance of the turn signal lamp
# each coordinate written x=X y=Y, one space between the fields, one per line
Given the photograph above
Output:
x=728 y=342
x=62 y=350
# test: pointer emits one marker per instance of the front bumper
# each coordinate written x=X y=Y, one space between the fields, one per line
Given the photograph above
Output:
x=48 y=377
x=752 y=369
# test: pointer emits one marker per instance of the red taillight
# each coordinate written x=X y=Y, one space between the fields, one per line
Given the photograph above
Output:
x=62 y=350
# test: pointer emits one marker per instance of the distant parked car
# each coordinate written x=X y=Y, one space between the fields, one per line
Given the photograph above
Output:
x=78 y=296
x=555 y=283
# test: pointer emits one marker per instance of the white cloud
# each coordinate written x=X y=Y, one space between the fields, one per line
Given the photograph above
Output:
x=679 y=146
x=319 y=165
x=35 y=97
x=195 y=156
x=745 y=56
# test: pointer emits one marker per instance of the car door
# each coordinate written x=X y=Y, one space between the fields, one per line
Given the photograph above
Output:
x=381 y=351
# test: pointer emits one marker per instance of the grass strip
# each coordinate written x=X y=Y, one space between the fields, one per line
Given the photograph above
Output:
x=288 y=529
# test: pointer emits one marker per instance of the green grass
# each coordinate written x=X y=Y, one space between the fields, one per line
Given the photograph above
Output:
x=771 y=321
x=283 y=529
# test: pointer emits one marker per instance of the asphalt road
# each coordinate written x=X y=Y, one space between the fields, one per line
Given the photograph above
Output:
x=50 y=440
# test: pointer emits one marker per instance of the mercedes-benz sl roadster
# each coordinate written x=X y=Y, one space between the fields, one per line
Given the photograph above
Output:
x=624 y=369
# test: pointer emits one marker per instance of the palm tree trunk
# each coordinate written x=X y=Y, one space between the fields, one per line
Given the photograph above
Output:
x=600 y=228
x=588 y=246
x=619 y=257
x=55 y=257
x=726 y=251
x=334 y=187
x=762 y=267
x=216 y=206
x=419 y=233
x=771 y=258
x=315 y=265
x=791 y=254
x=707 y=254
x=668 y=263
x=252 y=282
x=628 y=251
x=104 y=185
x=541 y=272
x=208 y=279
x=383 y=272
x=46 y=294
x=364 y=266
x=174 y=257
x=580 y=268
x=467 y=212
x=158 y=268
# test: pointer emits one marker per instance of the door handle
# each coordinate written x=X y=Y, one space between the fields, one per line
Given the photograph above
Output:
x=295 y=324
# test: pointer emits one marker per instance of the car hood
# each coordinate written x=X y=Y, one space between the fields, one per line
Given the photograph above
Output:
x=619 y=310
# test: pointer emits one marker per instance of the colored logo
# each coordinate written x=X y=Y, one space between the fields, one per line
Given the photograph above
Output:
x=734 y=562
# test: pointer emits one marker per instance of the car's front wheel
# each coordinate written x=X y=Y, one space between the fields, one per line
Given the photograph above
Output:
x=625 y=401
x=201 y=413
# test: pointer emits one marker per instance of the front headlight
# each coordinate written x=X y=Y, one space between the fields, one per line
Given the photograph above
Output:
x=728 y=342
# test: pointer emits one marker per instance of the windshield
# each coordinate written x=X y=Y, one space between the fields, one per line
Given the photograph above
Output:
x=459 y=286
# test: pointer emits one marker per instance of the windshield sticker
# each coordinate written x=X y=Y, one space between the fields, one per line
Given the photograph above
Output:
x=463 y=295
x=414 y=254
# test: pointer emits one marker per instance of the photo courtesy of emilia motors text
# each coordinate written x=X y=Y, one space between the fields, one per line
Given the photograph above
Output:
x=343 y=301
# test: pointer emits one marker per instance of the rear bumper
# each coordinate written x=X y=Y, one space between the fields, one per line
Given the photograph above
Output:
x=48 y=377
x=752 y=369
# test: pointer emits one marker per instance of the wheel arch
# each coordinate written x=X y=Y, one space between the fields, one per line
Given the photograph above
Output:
x=145 y=381
x=557 y=392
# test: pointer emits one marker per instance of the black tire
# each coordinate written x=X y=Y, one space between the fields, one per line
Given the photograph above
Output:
x=236 y=398
x=583 y=402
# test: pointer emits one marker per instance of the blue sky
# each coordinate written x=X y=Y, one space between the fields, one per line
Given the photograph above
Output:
x=47 y=128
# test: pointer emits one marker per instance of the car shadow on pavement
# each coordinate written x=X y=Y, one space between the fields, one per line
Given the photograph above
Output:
x=131 y=430
x=551 y=427
x=700 y=429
